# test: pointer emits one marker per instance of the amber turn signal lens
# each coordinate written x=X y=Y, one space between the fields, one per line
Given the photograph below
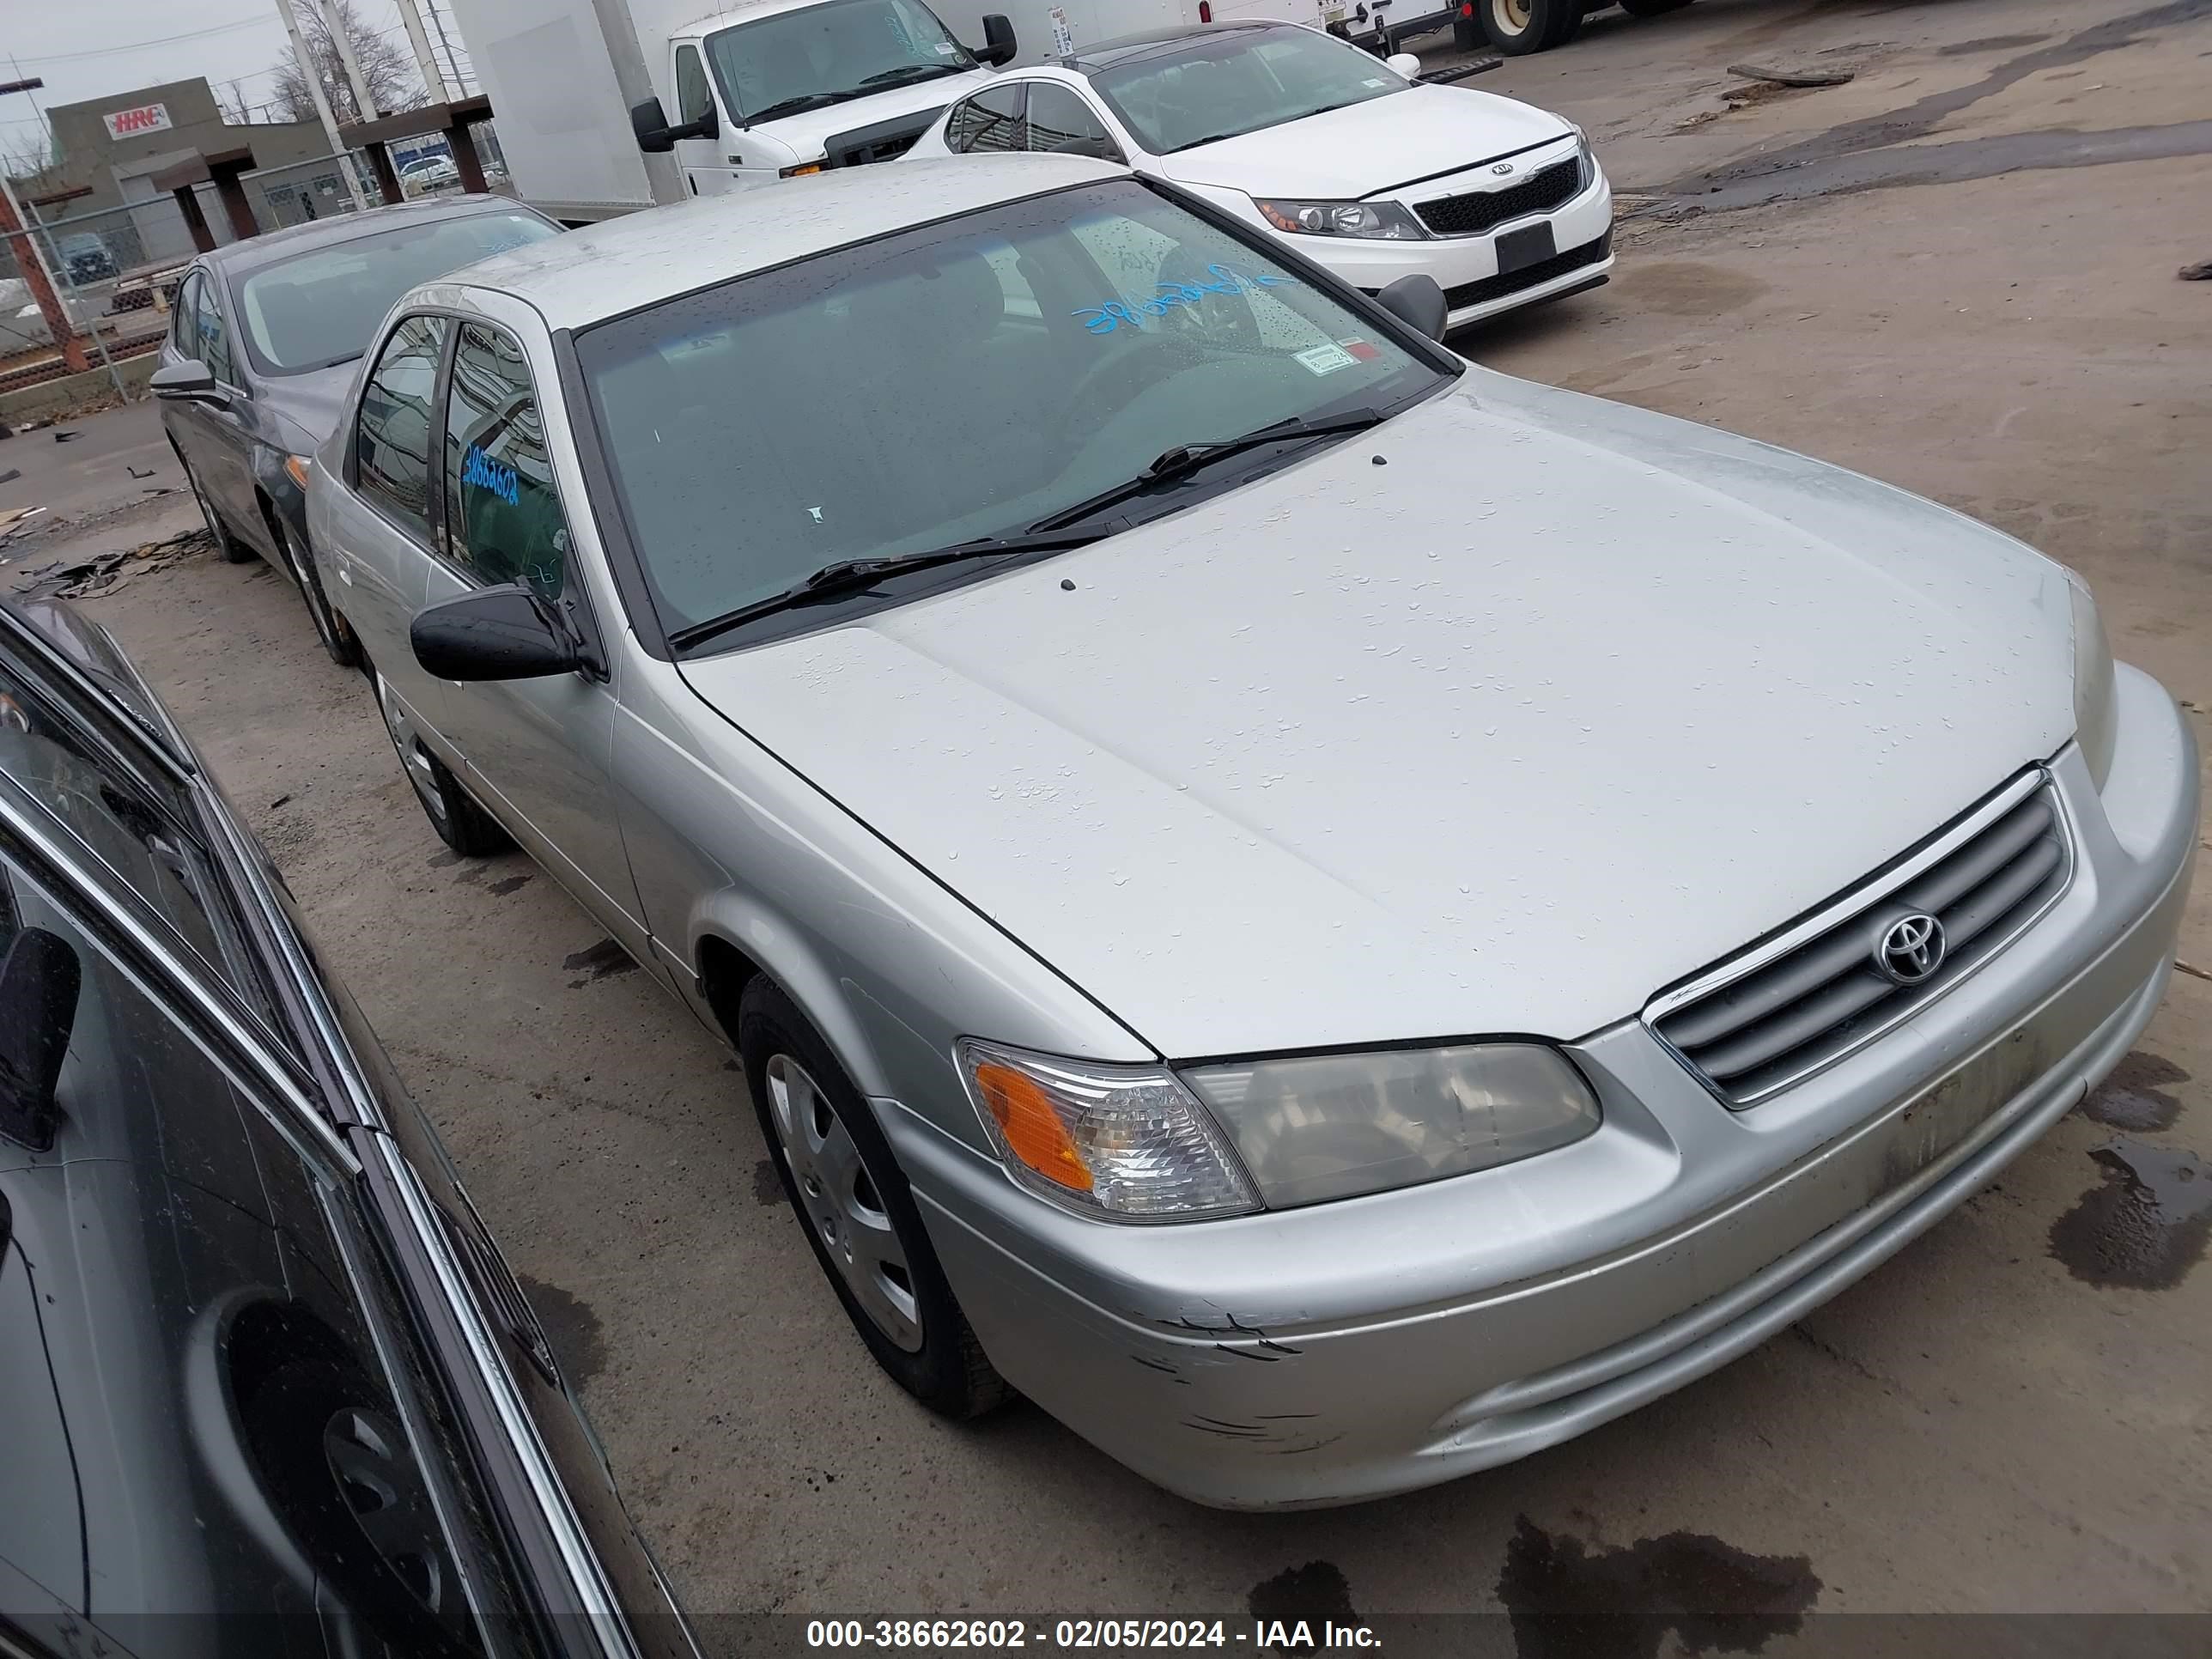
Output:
x=1032 y=1129
x=295 y=467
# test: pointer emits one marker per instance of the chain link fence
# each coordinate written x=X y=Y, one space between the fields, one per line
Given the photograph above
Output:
x=303 y=192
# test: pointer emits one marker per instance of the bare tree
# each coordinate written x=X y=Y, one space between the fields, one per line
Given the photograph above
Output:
x=388 y=71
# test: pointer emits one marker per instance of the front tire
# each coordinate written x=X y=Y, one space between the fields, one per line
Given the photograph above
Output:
x=852 y=1200
x=1518 y=28
x=234 y=550
x=461 y=824
x=337 y=636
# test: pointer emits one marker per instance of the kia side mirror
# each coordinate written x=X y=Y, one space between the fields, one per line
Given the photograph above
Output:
x=503 y=633
x=997 y=41
x=39 y=978
x=188 y=382
x=1418 y=302
x=1404 y=63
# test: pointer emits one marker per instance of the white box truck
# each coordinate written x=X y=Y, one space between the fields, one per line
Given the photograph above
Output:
x=604 y=106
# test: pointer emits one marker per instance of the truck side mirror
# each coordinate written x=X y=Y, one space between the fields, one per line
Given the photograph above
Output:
x=997 y=41
x=650 y=123
x=39 y=978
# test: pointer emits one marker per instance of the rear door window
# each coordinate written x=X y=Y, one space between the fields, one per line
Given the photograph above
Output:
x=392 y=440
x=989 y=122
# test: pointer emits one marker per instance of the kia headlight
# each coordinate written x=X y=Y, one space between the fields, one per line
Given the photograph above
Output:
x=1379 y=221
x=1144 y=1143
x=2096 y=699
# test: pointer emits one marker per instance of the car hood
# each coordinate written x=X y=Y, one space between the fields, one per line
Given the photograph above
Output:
x=313 y=403
x=1364 y=148
x=1567 y=702
x=808 y=134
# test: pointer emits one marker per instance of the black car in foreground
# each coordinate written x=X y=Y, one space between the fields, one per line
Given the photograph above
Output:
x=266 y=1385
x=261 y=347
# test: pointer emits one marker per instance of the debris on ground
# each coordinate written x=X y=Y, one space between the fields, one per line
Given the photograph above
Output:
x=1793 y=77
x=67 y=435
x=16 y=517
x=11 y=475
x=105 y=572
x=136 y=473
x=2199 y=272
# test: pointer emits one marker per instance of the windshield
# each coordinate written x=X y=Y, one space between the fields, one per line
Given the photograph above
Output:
x=820 y=55
x=965 y=380
x=321 y=308
x=1217 y=86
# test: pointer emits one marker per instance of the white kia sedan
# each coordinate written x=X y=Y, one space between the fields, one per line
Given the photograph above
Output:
x=1350 y=159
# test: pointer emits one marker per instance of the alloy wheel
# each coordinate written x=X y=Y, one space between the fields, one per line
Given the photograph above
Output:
x=837 y=1195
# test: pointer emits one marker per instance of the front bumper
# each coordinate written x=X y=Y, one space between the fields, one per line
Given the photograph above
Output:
x=1376 y=1345
x=1466 y=267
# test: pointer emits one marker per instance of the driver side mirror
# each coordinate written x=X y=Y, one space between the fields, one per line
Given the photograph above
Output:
x=39 y=978
x=1417 y=301
x=188 y=382
x=997 y=41
x=503 y=633
x=655 y=136
x=1404 y=63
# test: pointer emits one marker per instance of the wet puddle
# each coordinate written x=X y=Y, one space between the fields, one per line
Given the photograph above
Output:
x=1684 y=1593
x=2145 y=1223
x=2134 y=1097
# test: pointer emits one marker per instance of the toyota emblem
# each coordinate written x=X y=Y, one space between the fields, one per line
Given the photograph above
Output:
x=1501 y=168
x=1911 y=949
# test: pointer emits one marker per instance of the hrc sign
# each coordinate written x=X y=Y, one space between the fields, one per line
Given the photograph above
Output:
x=129 y=122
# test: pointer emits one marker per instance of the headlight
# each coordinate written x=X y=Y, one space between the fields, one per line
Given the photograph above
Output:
x=1372 y=221
x=295 y=468
x=1124 y=1143
x=1331 y=1126
x=2096 y=701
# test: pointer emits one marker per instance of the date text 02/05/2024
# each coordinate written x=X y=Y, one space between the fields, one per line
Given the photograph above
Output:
x=1001 y=1635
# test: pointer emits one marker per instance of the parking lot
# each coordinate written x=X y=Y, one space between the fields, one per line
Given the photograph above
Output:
x=1929 y=274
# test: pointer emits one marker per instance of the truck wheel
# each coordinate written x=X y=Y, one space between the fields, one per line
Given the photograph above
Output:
x=1651 y=8
x=1517 y=27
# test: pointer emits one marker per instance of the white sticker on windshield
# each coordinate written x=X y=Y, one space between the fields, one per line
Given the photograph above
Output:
x=1374 y=80
x=1325 y=359
x=945 y=49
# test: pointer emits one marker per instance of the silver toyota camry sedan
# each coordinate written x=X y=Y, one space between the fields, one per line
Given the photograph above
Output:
x=1333 y=917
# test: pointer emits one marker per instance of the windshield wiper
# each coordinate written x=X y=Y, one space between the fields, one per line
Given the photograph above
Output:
x=847 y=575
x=805 y=102
x=1186 y=459
x=910 y=72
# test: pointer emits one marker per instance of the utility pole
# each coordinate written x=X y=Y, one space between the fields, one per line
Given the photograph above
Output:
x=425 y=60
x=460 y=87
x=334 y=26
x=314 y=80
x=31 y=260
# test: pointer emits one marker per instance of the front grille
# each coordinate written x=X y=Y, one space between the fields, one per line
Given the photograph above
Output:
x=1485 y=288
x=1478 y=210
x=1749 y=1031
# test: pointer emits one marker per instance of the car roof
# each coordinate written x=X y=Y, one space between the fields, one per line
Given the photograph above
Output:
x=1155 y=42
x=275 y=244
x=607 y=270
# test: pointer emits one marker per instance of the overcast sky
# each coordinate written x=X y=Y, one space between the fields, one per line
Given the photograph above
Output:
x=92 y=48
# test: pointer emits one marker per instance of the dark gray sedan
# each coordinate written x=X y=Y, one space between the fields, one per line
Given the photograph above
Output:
x=262 y=348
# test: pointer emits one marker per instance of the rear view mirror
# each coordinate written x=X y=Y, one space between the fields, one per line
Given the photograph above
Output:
x=1404 y=63
x=998 y=40
x=650 y=123
x=190 y=381
x=39 y=978
x=503 y=633
x=1417 y=301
